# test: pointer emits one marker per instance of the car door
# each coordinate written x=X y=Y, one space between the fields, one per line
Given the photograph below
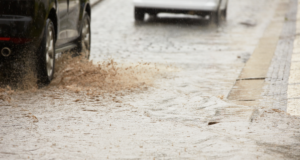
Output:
x=62 y=29
x=73 y=20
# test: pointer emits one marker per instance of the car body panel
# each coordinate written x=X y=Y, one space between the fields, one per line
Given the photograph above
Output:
x=62 y=16
x=73 y=21
x=10 y=26
x=18 y=18
x=195 y=5
x=22 y=22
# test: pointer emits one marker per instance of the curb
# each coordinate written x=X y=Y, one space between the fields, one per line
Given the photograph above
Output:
x=249 y=87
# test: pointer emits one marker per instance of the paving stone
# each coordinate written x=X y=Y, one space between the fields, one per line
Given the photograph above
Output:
x=278 y=74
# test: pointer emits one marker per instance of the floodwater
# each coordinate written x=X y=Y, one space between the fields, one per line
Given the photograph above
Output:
x=155 y=90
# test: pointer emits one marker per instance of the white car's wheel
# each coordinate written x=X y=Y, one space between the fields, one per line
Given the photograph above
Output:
x=224 y=13
x=139 y=14
x=218 y=16
x=153 y=15
x=215 y=17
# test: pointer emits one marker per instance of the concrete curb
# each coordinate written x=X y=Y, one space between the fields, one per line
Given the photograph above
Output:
x=249 y=88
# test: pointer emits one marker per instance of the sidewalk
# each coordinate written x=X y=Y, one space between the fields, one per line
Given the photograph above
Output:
x=293 y=93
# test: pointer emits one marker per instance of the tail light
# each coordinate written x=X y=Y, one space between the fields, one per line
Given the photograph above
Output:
x=15 y=40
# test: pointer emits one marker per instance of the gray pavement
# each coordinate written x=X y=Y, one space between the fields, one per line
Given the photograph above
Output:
x=275 y=92
x=293 y=83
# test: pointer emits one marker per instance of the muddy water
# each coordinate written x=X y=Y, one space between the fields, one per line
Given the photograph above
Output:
x=80 y=76
x=129 y=104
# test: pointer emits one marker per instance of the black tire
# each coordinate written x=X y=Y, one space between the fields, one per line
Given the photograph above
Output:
x=215 y=17
x=153 y=15
x=46 y=55
x=139 y=14
x=84 y=41
x=224 y=14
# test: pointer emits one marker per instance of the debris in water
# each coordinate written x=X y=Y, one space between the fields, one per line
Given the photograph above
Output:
x=77 y=100
x=221 y=97
x=212 y=123
x=249 y=23
x=277 y=110
x=34 y=118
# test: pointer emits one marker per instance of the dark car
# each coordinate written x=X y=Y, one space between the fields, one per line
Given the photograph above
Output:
x=44 y=27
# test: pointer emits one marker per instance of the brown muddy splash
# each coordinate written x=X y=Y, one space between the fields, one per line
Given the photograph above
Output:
x=18 y=75
x=77 y=74
x=5 y=94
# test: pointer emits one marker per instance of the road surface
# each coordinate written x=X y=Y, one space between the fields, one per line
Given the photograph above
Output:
x=159 y=91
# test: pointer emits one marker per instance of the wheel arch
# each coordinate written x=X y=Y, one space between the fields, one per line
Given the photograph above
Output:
x=88 y=9
x=52 y=15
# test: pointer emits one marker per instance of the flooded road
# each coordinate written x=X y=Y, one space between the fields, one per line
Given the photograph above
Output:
x=155 y=90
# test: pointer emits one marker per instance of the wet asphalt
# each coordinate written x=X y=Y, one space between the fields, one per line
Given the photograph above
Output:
x=182 y=114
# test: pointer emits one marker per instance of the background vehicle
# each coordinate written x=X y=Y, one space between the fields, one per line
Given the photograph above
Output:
x=216 y=9
x=43 y=27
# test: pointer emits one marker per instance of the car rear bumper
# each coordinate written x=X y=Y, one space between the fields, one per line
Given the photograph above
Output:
x=12 y=26
x=195 y=5
x=17 y=33
x=17 y=50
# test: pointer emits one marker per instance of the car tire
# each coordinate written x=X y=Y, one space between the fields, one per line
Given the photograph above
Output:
x=215 y=17
x=139 y=14
x=224 y=13
x=46 y=55
x=84 y=42
x=153 y=15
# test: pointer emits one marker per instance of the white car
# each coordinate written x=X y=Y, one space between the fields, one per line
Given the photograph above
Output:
x=216 y=9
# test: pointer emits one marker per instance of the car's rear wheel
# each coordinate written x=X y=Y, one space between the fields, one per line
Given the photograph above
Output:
x=84 y=43
x=46 y=54
x=139 y=14
x=218 y=16
x=153 y=15
x=224 y=14
x=215 y=17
